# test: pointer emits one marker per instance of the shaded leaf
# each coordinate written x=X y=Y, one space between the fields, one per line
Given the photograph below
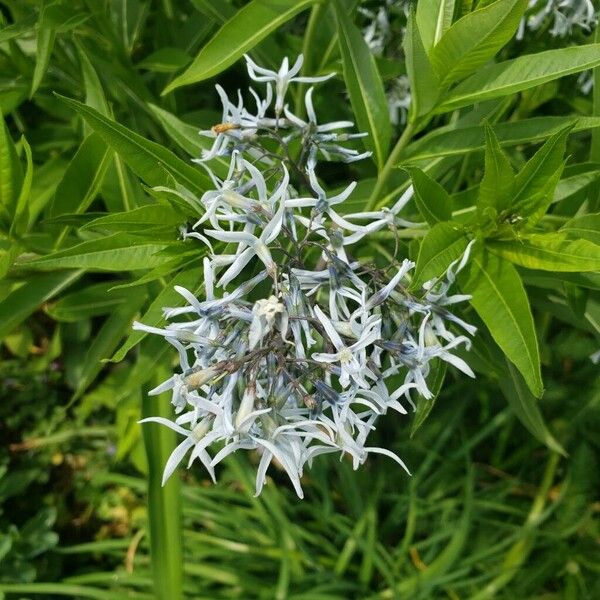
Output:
x=365 y=87
x=500 y=300
x=433 y=201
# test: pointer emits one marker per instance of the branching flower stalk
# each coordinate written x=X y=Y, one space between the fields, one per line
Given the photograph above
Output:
x=298 y=347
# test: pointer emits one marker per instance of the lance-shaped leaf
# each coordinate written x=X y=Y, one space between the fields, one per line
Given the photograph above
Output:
x=457 y=141
x=535 y=183
x=241 y=33
x=153 y=315
x=433 y=201
x=435 y=380
x=18 y=305
x=11 y=175
x=424 y=84
x=525 y=407
x=586 y=227
x=475 y=39
x=118 y=252
x=83 y=177
x=434 y=19
x=444 y=243
x=499 y=298
x=497 y=185
x=550 y=252
x=521 y=73
x=150 y=161
x=364 y=86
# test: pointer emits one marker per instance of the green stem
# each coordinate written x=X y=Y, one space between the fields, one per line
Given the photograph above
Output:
x=164 y=508
x=390 y=164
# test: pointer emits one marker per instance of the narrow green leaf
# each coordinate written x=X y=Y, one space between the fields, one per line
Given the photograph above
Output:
x=475 y=39
x=94 y=93
x=83 y=177
x=44 y=47
x=106 y=339
x=118 y=252
x=434 y=19
x=91 y=301
x=152 y=162
x=19 y=304
x=457 y=141
x=165 y=60
x=365 y=87
x=11 y=175
x=497 y=185
x=433 y=201
x=153 y=316
x=21 y=219
x=424 y=84
x=241 y=33
x=444 y=243
x=139 y=219
x=499 y=298
x=520 y=74
x=536 y=181
x=550 y=252
x=586 y=227
x=435 y=380
x=525 y=407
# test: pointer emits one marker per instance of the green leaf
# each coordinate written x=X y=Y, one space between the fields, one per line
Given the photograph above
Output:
x=434 y=19
x=433 y=201
x=83 y=177
x=521 y=73
x=457 y=141
x=152 y=162
x=118 y=252
x=536 y=181
x=444 y=243
x=424 y=84
x=11 y=175
x=525 y=407
x=94 y=93
x=241 y=33
x=139 y=219
x=165 y=60
x=91 y=301
x=549 y=252
x=435 y=380
x=475 y=39
x=586 y=227
x=153 y=316
x=21 y=219
x=496 y=190
x=500 y=300
x=44 y=47
x=27 y=298
x=365 y=87
x=106 y=339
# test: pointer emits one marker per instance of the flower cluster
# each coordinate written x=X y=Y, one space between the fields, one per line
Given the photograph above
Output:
x=297 y=347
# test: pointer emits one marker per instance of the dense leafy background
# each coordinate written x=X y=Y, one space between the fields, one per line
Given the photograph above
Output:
x=101 y=103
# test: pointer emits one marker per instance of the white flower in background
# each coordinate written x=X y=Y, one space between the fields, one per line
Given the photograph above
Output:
x=297 y=347
x=564 y=16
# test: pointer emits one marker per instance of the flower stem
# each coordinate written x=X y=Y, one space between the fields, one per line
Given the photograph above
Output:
x=391 y=162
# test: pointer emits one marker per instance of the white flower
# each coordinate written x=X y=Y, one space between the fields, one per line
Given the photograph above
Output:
x=281 y=78
x=351 y=358
x=266 y=314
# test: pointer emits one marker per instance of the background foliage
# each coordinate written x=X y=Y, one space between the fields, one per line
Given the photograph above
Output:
x=101 y=104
